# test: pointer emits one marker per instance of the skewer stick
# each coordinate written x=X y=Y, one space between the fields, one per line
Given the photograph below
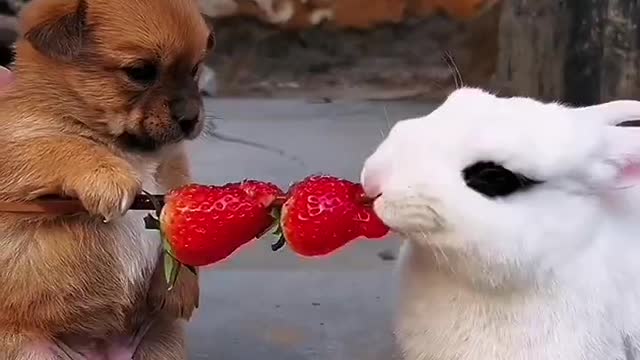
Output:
x=62 y=206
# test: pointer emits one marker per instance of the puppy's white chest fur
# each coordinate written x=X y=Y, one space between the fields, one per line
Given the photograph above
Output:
x=139 y=248
x=440 y=319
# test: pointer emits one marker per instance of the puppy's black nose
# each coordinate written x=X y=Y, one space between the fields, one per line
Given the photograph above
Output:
x=186 y=112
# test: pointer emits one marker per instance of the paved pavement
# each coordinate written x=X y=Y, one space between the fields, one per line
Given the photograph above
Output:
x=277 y=306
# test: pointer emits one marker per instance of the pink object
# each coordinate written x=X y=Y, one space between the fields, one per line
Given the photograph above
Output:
x=6 y=78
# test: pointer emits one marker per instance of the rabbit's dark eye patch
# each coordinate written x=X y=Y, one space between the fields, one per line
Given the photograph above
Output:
x=629 y=123
x=493 y=180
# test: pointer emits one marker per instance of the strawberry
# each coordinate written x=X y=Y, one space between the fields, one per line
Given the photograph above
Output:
x=268 y=194
x=263 y=192
x=324 y=213
x=203 y=224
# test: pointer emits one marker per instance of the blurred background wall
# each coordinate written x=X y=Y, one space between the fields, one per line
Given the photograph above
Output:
x=577 y=51
x=367 y=49
x=371 y=49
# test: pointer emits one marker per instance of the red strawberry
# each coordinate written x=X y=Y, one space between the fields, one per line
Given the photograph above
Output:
x=262 y=191
x=205 y=224
x=267 y=194
x=324 y=213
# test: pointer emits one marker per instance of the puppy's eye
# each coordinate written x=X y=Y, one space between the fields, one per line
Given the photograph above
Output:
x=144 y=74
x=493 y=180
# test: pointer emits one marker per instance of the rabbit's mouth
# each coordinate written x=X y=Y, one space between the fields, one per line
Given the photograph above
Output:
x=432 y=221
x=410 y=215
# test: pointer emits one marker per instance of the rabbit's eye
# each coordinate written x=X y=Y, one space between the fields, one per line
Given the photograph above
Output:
x=493 y=180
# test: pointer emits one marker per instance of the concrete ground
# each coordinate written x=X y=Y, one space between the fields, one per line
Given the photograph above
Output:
x=277 y=306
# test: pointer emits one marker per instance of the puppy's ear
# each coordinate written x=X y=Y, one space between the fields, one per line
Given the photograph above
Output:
x=55 y=27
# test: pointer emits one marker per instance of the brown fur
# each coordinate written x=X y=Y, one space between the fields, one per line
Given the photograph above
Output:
x=66 y=129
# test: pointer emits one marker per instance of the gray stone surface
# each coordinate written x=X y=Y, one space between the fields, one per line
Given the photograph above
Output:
x=277 y=306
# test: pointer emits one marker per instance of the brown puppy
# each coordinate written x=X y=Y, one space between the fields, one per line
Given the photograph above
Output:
x=105 y=94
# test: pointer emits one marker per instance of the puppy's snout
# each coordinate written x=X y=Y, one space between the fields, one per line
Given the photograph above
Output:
x=185 y=112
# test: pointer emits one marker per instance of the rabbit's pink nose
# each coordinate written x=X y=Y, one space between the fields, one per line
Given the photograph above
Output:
x=372 y=180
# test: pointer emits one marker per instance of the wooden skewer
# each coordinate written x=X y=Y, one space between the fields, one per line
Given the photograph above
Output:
x=70 y=206
x=73 y=206
x=62 y=206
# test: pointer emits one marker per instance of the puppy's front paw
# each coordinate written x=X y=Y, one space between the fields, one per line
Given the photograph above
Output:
x=108 y=191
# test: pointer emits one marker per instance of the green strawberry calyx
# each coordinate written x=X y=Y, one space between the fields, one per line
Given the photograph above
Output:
x=278 y=232
x=172 y=265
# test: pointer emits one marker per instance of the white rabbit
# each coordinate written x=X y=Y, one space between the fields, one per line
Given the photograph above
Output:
x=522 y=222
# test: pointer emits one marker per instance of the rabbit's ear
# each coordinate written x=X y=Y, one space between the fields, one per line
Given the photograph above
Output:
x=611 y=113
x=623 y=150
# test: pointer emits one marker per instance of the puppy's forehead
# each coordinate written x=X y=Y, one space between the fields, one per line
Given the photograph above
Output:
x=162 y=28
x=542 y=139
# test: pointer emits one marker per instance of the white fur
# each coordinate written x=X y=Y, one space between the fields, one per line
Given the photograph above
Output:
x=139 y=249
x=550 y=273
